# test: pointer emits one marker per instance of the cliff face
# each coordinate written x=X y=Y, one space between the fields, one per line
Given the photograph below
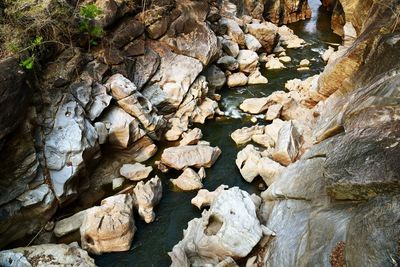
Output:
x=286 y=11
x=339 y=204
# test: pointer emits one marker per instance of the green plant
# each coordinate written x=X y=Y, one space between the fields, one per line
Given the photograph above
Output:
x=87 y=25
x=29 y=62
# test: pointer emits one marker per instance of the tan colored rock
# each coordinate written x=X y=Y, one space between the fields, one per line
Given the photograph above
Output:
x=237 y=79
x=109 y=227
x=328 y=53
x=135 y=172
x=247 y=162
x=234 y=31
x=273 y=112
x=120 y=86
x=255 y=105
x=146 y=196
x=69 y=225
x=189 y=180
x=243 y=135
x=288 y=145
x=263 y=139
x=269 y=170
x=274 y=64
x=266 y=34
x=204 y=198
x=190 y=156
x=273 y=129
x=304 y=63
x=191 y=137
x=285 y=59
x=248 y=61
x=289 y=39
x=257 y=78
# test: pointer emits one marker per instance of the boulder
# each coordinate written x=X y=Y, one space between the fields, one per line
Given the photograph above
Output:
x=247 y=162
x=191 y=137
x=248 y=61
x=243 y=135
x=266 y=33
x=135 y=172
x=257 y=78
x=111 y=11
x=233 y=31
x=255 y=105
x=230 y=228
x=47 y=255
x=289 y=39
x=274 y=64
x=109 y=227
x=230 y=47
x=273 y=112
x=328 y=53
x=190 y=156
x=228 y=63
x=264 y=140
x=237 y=79
x=285 y=59
x=288 y=144
x=189 y=180
x=252 y=43
x=287 y=11
x=145 y=67
x=146 y=196
x=69 y=225
x=269 y=170
x=215 y=78
x=204 y=198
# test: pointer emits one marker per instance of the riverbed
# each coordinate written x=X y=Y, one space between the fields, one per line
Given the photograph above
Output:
x=153 y=241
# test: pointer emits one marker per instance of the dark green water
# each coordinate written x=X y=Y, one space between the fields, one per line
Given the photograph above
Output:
x=153 y=241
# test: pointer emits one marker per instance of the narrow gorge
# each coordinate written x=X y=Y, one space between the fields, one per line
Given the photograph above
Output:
x=200 y=133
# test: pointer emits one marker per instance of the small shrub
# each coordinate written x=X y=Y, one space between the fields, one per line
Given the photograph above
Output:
x=29 y=62
x=87 y=25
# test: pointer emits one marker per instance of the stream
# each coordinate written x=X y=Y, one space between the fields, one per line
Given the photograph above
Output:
x=153 y=241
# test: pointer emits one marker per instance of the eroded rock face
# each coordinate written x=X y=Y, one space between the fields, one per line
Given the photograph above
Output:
x=190 y=156
x=146 y=196
x=286 y=11
x=229 y=229
x=109 y=227
x=47 y=255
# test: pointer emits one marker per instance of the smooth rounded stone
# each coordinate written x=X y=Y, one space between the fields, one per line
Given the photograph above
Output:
x=146 y=196
x=191 y=137
x=282 y=54
x=237 y=79
x=257 y=78
x=248 y=61
x=196 y=156
x=69 y=225
x=233 y=31
x=304 y=63
x=135 y=172
x=266 y=33
x=228 y=63
x=46 y=255
x=255 y=105
x=120 y=86
x=230 y=47
x=303 y=68
x=273 y=112
x=263 y=139
x=252 y=43
x=253 y=119
x=215 y=78
x=247 y=162
x=269 y=170
x=230 y=228
x=109 y=227
x=189 y=180
x=328 y=53
x=204 y=198
x=285 y=59
x=274 y=64
x=288 y=144
x=243 y=135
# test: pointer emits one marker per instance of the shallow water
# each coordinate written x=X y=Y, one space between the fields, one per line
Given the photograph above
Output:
x=153 y=241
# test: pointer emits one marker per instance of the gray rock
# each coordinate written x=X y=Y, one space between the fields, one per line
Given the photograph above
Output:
x=228 y=63
x=230 y=47
x=215 y=78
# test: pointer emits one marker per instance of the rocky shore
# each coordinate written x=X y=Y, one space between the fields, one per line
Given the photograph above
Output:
x=80 y=138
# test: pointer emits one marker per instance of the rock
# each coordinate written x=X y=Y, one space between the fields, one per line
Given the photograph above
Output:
x=247 y=162
x=287 y=11
x=117 y=183
x=142 y=150
x=285 y=59
x=255 y=8
x=135 y=172
x=230 y=47
x=274 y=64
x=111 y=11
x=248 y=61
x=303 y=68
x=215 y=78
x=228 y=63
x=255 y=105
x=237 y=79
x=266 y=33
x=257 y=78
x=269 y=170
x=288 y=145
x=109 y=227
x=206 y=110
x=252 y=43
x=204 y=198
x=190 y=156
x=128 y=30
x=189 y=180
x=234 y=31
x=135 y=48
x=102 y=132
x=263 y=139
x=145 y=67
x=288 y=38
x=328 y=53
x=244 y=135
x=146 y=196
x=228 y=262
x=273 y=112
x=191 y=137
x=14 y=94
x=46 y=255
x=273 y=129
x=70 y=138
x=122 y=129
x=69 y=225
x=350 y=34
x=304 y=63
x=229 y=229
